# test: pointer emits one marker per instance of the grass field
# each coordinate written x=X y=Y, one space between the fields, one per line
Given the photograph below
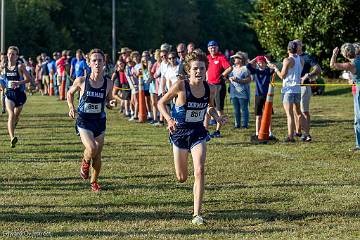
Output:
x=275 y=191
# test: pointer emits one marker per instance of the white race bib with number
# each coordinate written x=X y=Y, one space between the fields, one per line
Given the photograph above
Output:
x=92 y=107
x=195 y=115
x=10 y=84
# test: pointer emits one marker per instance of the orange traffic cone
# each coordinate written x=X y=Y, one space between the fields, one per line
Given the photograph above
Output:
x=51 y=87
x=142 y=105
x=62 y=89
x=266 y=117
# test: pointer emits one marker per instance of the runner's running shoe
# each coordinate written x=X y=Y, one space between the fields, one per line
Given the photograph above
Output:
x=95 y=187
x=84 y=169
x=197 y=220
x=13 y=142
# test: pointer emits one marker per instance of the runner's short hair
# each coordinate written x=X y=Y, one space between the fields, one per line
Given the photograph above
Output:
x=15 y=48
x=97 y=50
x=194 y=56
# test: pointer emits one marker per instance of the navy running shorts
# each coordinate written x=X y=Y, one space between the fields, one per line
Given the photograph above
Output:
x=96 y=126
x=185 y=138
x=18 y=97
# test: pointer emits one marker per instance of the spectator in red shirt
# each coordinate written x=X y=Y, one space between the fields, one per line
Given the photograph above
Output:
x=61 y=71
x=219 y=68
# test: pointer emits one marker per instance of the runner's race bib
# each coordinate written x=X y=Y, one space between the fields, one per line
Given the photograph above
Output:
x=92 y=108
x=195 y=115
x=10 y=84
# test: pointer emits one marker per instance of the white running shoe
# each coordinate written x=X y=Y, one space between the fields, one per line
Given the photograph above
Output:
x=197 y=220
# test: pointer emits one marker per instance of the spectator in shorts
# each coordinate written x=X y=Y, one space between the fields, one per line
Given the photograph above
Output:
x=310 y=63
x=291 y=91
x=154 y=87
x=121 y=86
x=44 y=72
x=134 y=86
x=61 y=73
x=262 y=77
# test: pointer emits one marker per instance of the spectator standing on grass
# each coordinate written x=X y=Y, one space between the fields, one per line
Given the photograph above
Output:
x=52 y=72
x=154 y=87
x=291 y=91
x=44 y=72
x=240 y=90
x=217 y=72
x=61 y=70
x=262 y=76
x=348 y=51
x=310 y=63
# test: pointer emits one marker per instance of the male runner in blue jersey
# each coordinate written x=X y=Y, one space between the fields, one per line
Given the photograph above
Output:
x=187 y=131
x=95 y=92
x=15 y=78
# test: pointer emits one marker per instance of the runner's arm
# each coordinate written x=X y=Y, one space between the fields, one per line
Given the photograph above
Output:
x=75 y=87
x=110 y=100
x=171 y=94
x=222 y=120
x=25 y=74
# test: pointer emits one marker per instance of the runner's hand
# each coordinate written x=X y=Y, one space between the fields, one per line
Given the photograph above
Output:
x=72 y=113
x=222 y=120
x=171 y=125
x=336 y=51
x=111 y=104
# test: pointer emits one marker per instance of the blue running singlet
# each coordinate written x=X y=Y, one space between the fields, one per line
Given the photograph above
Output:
x=189 y=118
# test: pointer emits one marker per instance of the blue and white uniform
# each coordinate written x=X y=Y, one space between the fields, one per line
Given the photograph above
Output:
x=91 y=108
x=189 y=118
x=16 y=95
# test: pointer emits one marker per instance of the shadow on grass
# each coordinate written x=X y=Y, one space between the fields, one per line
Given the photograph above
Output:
x=84 y=216
x=53 y=144
x=47 y=116
x=113 y=177
x=328 y=122
x=167 y=232
x=229 y=186
x=270 y=215
x=43 y=158
x=339 y=91
x=49 y=150
x=81 y=185
x=44 y=127
x=76 y=183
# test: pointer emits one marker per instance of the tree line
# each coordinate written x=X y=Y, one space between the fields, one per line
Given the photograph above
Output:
x=49 y=25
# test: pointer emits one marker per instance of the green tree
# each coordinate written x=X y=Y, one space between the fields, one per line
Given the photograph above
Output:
x=227 y=22
x=29 y=25
x=321 y=25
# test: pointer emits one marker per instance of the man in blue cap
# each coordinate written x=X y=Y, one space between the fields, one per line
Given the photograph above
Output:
x=218 y=69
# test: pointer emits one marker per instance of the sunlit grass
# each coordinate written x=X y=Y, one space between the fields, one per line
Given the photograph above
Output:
x=274 y=191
